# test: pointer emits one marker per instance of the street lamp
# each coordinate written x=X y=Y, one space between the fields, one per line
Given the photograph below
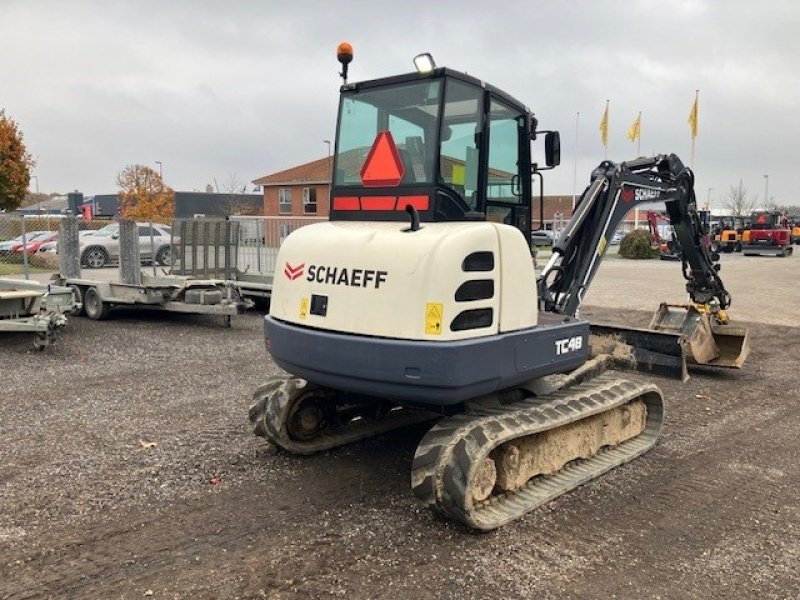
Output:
x=38 y=201
x=160 y=169
x=708 y=199
x=329 y=145
x=766 y=191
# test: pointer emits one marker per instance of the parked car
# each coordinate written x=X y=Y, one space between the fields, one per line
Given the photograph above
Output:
x=617 y=237
x=33 y=243
x=543 y=237
x=6 y=246
x=51 y=247
x=102 y=246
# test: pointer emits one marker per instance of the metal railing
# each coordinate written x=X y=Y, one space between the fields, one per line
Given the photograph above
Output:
x=21 y=241
x=260 y=238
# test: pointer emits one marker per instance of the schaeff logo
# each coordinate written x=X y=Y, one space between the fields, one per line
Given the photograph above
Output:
x=293 y=272
x=337 y=275
x=630 y=194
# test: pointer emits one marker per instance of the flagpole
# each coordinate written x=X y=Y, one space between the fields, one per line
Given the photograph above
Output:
x=606 y=144
x=575 y=164
x=638 y=154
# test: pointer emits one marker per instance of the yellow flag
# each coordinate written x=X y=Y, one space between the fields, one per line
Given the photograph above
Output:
x=604 y=127
x=633 y=130
x=693 y=117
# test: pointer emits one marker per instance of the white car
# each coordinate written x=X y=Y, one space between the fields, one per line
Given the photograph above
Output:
x=52 y=247
x=101 y=247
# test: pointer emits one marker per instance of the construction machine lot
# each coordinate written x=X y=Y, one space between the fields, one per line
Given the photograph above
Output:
x=129 y=469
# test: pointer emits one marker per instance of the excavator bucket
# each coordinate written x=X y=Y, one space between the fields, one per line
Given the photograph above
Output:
x=677 y=335
x=707 y=341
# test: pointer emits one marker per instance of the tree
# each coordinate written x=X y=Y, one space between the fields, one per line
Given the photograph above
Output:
x=738 y=202
x=15 y=164
x=233 y=205
x=143 y=195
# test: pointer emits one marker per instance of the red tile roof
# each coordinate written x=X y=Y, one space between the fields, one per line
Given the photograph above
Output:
x=318 y=170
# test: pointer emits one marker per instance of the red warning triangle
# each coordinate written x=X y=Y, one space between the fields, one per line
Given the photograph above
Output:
x=383 y=167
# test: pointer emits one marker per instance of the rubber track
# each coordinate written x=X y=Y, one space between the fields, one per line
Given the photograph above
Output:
x=449 y=454
x=273 y=402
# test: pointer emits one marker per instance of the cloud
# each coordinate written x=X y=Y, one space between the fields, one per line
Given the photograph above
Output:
x=213 y=88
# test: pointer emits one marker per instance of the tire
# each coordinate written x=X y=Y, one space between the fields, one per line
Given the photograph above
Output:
x=94 y=257
x=164 y=256
x=93 y=305
x=78 y=293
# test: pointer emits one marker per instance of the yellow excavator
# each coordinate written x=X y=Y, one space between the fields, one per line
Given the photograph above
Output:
x=418 y=301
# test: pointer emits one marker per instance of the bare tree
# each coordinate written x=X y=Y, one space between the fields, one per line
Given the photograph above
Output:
x=738 y=202
x=233 y=204
x=232 y=185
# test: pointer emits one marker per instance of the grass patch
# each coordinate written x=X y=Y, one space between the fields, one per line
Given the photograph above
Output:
x=17 y=269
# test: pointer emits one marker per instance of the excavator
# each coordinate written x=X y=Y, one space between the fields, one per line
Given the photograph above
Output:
x=418 y=302
x=668 y=249
x=769 y=234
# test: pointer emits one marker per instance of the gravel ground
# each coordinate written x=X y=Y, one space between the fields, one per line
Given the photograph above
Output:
x=128 y=470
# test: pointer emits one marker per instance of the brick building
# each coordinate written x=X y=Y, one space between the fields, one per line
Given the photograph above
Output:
x=304 y=191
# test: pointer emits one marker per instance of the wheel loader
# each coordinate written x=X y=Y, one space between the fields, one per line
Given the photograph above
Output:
x=418 y=301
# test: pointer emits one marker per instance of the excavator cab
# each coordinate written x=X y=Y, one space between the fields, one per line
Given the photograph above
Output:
x=434 y=147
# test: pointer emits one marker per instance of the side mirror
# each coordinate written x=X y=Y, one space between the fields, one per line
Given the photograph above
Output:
x=552 y=149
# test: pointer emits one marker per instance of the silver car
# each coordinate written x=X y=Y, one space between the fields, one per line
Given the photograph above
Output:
x=102 y=246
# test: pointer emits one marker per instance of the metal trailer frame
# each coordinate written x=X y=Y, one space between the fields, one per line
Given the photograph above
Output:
x=229 y=248
x=171 y=293
x=37 y=308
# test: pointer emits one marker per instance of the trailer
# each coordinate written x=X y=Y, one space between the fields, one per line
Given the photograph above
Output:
x=170 y=293
x=38 y=308
x=101 y=292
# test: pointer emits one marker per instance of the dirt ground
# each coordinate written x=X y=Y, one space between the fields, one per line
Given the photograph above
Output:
x=128 y=470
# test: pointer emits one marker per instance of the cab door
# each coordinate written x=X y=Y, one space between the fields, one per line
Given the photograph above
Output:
x=507 y=182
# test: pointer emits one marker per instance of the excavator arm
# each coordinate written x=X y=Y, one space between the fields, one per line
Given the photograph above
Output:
x=614 y=190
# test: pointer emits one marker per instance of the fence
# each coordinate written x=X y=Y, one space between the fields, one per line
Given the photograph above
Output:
x=21 y=241
x=260 y=238
x=210 y=248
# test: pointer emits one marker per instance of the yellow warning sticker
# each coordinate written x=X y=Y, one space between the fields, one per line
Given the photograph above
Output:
x=303 y=307
x=601 y=247
x=433 y=318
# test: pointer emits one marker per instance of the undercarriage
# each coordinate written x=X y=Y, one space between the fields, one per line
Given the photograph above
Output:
x=507 y=454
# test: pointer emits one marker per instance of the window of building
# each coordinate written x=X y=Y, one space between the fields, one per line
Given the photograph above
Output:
x=285 y=201
x=310 y=201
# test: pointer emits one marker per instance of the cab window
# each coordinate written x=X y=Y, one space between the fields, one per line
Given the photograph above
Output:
x=460 y=135
x=503 y=183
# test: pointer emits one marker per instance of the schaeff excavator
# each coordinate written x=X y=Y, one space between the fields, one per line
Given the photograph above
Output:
x=419 y=301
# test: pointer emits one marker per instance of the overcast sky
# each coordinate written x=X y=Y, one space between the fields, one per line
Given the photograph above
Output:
x=248 y=88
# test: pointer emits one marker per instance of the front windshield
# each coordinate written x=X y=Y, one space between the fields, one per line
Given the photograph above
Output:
x=108 y=230
x=407 y=111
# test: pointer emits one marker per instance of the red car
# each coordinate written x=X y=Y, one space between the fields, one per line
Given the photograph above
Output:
x=34 y=241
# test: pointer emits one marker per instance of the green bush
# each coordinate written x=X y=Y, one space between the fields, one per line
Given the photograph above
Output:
x=637 y=245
